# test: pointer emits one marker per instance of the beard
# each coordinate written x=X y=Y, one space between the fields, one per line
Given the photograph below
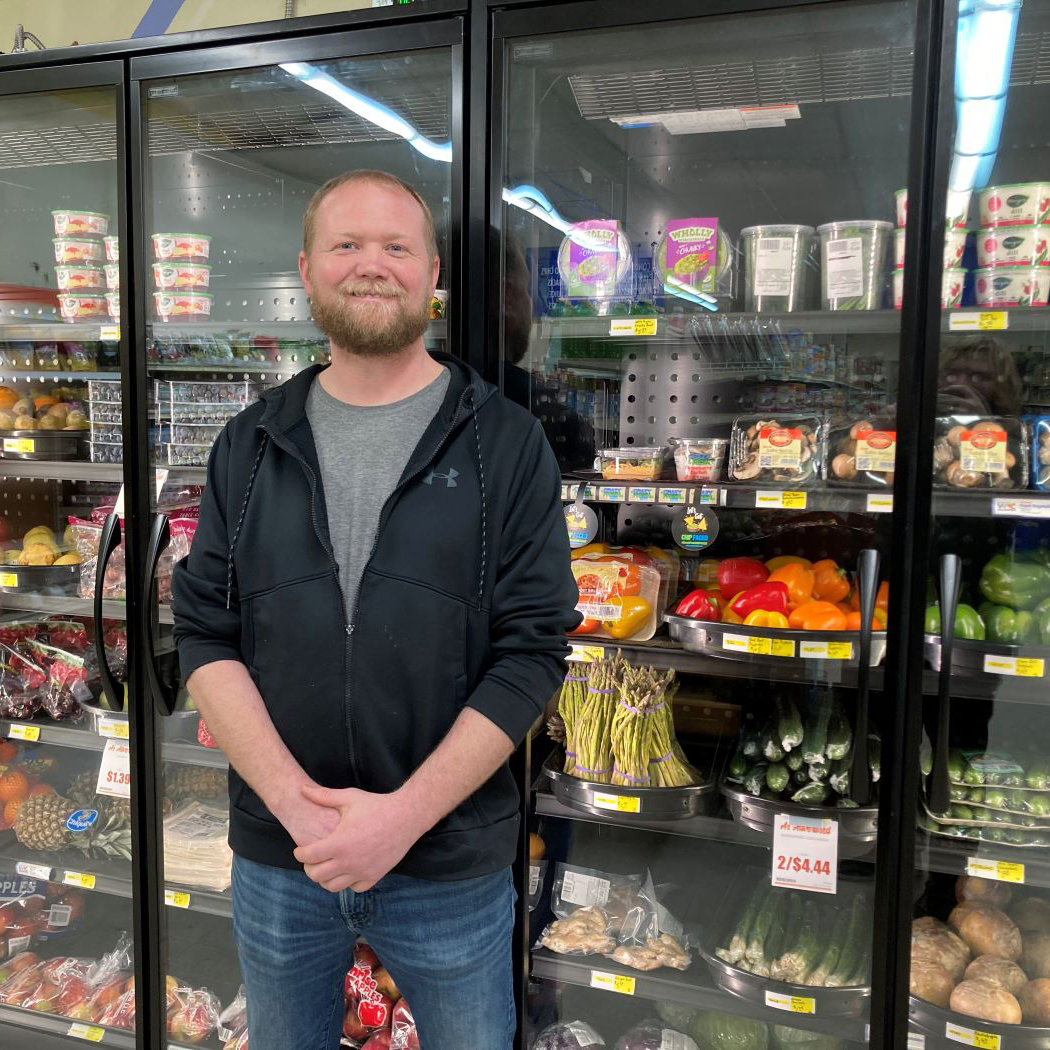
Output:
x=370 y=329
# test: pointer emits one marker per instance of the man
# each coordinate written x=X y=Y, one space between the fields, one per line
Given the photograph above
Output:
x=371 y=618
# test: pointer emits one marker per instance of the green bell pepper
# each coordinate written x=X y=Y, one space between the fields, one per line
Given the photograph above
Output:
x=1042 y=622
x=968 y=623
x=1019 y=584
x=1009 y=626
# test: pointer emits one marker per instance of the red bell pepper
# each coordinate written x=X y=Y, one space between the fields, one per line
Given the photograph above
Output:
x=740 y=574
x=699 y=605
x=769 y=597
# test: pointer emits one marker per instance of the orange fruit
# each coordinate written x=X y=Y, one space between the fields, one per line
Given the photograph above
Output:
x=44 y=401
x=11 y=810
x=14 y=785
x=7 y=397
x=8 y=752
x=40 y=789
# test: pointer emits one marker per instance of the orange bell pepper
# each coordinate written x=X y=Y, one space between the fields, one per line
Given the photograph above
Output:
x=831 y=583
x=817 y=616
x=882 y=598
x=878 y=621
x=845 y=607
x=762 y=618
x=588 y=626
x=787 y=559
x=799 y=581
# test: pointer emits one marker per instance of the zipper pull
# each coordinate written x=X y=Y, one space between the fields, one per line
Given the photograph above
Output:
x=349 y=629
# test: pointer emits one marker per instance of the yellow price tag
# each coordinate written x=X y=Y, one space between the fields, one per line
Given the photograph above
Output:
x=20 y=445
x=612 y=982
x=1030 y=667
x=18 y=732
x=632 y=326
x=794 y=501
x=979 y=321
x=1000 y=870
x=992 y=320
x=972 y=1037
x=8 y=579
x=783 y=500
x=759 y=646
x=114 y=727
x=1009 y=871
x=585 y=654
x=91 y=1032
x=617 y=803
x=77 y=878
x=1015 y=666
x=176 y=899
x=783 y=647
x=109 y=333
x=795 y=1004
x=840 y=650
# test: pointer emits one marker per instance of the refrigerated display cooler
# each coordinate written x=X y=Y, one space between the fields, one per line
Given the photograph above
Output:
x=773 y=278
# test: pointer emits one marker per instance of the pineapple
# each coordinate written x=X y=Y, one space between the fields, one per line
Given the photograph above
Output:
x=41 y=822
x=182 y=783
x=109 y=836
x=38 y=767
x=82 y=789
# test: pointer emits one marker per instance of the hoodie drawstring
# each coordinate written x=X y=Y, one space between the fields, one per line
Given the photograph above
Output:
x=484 y=516
x=240 y=519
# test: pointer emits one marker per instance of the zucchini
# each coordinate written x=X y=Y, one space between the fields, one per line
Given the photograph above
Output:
x=803 y=956
x=840 y=735
x=789 y=724
x=755 y=953
x=816 y=735
x=839 y=777
x=812 y=794
x=830 y=959
x=875 y=756
x=771 y=748
x=793 y=760
x=777 y=776
x=819 y=770
x=734 y=950
x=849 y=957
x=738 y=765
x=792 y=929
x=755 y=778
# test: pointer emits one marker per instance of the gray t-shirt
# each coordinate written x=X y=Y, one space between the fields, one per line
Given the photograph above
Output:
x=363 y=451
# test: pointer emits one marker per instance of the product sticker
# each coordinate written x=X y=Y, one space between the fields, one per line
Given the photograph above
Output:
x=774 y=266
x=844 y=267
x=876 y=450
x=979 y=321
x=584 y=890
x=780 y=447
x=987 y=762
x=675 y=1041
x=971 y=1036
x=783 y=500
x=805 y=853
x=1015 y=666
x=998 y=870
x=916 y=1041
x=633 y=326
x=176 y=899
x=534 y=879
x=692 y=252
x=641 y=494
x=983 y=450
x=109 y=333
x=92 y=1033
x=795 y=1004
x=826 y=650
x=1009 y=507
x=8 y=579
x=19 y=445
x=33 y=871
x=583 y=1034
x=612 y=982
x=593 y=254
x=23 y=732
x=586 y=654
x=114 y=772
x=17 y=944
x=616 y=803
x=117 y=728
x=612 y=493
x=669 y=494
x=59 y=915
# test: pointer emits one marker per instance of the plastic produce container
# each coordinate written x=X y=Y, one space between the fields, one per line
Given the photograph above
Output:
x=1015 y=204
x=594 y=260
x=617 y=597
x=633 y=464
x=853 y=258
x=777 y=263
x=80 y=223
x=951 y=288
x=971 y=452
x=1012 y=287
x=862 y=451
x=699 y=459
x=777 y=449
x=956 y=207
x=695 y=255
x=1041 y=453
x=1025 y=246
x=954 y=246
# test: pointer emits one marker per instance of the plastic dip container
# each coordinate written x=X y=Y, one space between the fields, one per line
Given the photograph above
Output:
x=853 y=263
x=1007 y=286
x=1016 y=204
x=1014 y=246
x=775 y=266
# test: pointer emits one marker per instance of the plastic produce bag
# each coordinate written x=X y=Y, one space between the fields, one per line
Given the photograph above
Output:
x=22 y=684
x=403 y=1034
x=66 y=687
x=234 y=1019
x=194 y=1015
x=87 y=535
x=653 y=1035
x=577 y=887
x=569 y=1035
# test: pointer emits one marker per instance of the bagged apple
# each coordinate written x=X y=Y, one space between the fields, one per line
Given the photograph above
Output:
x=403 y=1034
x=234 y=1019
x=195 y=1017
x=121 y=1012
x=369 y=984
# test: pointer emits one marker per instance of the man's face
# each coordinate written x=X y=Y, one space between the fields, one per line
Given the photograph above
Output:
x=369 y=275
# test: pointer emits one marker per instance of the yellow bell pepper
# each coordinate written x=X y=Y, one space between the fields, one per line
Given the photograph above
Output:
x=787 y=559
x=706 y=573
x=762 y=618
x=634 y=612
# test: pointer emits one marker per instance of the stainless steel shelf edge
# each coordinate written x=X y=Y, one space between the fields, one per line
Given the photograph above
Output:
x=42 y=603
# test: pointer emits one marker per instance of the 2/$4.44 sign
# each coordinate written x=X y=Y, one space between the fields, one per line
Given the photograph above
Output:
x=805 y=853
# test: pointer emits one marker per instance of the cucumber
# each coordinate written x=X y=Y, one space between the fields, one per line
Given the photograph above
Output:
x=789 y=724
x=816 y=735
x=875 y=756
x=738 y=765
x=777 y=776
x=1038 y=775
x=956 y=763
x=819 y=770
x=850 y=956
x=839 y=777
x=797 y=962
x=793 y=760
x=830 y=959
x=811 y=795
x=771 y=748
x=926 y=756
x=847 y=803
x=755 y=778
x=800 y=777
x=760 y=928
x=751 y=741
x=734 y=950
x=774 y=945
x=792 y=929
x=861 y=976
x=840 y=735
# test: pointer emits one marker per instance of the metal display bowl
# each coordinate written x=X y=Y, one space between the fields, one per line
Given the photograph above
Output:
x=43 y=444
x=828 y=1002
x=40 y=579
x=858 y=828
x=936 y=1019
x=705 y=636
x=968 y=657
x=652 y=804
x=181 y=725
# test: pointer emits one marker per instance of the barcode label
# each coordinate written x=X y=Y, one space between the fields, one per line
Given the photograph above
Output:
x=769 y=244
x=600 y=612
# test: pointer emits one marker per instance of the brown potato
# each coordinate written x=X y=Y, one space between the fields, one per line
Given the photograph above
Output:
x=971 y=888
x=987 y=1000
x=1032 y=914
x=989 y=931
x=1001 y=971
x=1035 y=1002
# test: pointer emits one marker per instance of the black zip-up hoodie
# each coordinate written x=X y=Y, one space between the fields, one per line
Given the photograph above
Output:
x=465 y=601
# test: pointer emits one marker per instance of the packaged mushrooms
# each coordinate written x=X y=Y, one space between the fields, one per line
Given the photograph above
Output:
x=974 y=452
x=779 y=450
x=862 y=451
x=1041 y=453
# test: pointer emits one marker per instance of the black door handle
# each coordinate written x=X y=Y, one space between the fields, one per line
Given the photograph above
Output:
x=164 y=690
x=112 y=690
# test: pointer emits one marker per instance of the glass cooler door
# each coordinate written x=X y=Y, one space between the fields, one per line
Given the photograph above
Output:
x=701 y=257
x=233 y=152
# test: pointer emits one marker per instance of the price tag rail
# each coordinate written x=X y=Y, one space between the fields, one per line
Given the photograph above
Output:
x=62 y=1028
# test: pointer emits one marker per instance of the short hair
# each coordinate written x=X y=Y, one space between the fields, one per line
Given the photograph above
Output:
x=382 y=178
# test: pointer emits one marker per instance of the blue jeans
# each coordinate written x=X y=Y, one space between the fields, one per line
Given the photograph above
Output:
x=446 y=944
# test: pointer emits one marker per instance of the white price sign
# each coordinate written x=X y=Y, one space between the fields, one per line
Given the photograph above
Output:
x=33 y=871
x=114 y=772
x=1012 y=507
x=805 y=853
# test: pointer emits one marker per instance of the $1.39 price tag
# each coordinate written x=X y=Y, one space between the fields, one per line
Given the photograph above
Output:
x=114 y=772
x=805 y=853
x=795 y=1004
x=92 y=1033
x=971 y=1036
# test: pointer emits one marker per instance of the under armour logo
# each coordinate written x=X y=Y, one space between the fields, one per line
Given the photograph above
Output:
x=449 y=478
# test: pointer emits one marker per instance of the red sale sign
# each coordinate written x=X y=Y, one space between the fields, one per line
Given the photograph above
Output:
x=805 y=853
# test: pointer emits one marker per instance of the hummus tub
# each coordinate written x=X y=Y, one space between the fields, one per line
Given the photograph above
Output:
x=76 y=250
x=594 y=259
x=900 y=198
x=954 y=246
x=853 y=263
x=112 y=248
x=695 y=255
x=956 y=207
x=699 y=459
x=951 y=288
x=112 y=276
x=1014 y=246
x=1012 y=286
x=777 y=263
x=73 y=278
x=181 y=246
x=113 y=305
x=1015 y=204
x=181 y=275
x=182 y=305
x=80 y=223
x=76 y=307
